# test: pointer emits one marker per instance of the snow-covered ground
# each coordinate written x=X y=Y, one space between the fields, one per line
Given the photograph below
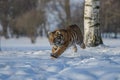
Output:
x=20 y=60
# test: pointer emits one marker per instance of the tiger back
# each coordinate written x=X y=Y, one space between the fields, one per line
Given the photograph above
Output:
x=75 y=35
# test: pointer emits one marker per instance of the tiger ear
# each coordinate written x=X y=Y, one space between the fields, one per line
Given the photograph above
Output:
x=58 y=32
x=48 y=32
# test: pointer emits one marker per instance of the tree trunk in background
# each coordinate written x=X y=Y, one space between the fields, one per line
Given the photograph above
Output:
x=68 y=12
x=5 y=27
x=92 y=34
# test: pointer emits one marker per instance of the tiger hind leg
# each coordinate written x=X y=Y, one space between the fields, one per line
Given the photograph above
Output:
x=82 y=46
x=74 y=48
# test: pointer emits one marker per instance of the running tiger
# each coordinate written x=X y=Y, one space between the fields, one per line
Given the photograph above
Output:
x=62 y=39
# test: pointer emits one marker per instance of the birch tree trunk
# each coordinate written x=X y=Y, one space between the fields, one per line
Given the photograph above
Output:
x=92 y=34
x=68 y=12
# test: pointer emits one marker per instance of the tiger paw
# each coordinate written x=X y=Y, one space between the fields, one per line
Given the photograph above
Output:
x=53 y=55
x=83 y=46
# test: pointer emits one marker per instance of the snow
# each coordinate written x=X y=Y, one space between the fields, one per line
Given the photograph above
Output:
x=24 y=43
x=28 y=63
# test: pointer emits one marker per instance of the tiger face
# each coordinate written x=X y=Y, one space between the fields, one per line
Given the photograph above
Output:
x=57 y=37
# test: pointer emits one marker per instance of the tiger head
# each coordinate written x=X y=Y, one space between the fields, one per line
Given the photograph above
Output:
x=58 y=37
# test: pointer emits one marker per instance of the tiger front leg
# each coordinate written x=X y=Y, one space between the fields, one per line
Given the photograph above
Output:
x=57 y=51
x=54 y=48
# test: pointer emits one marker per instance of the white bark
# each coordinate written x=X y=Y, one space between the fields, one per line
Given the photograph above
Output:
x=92 y=35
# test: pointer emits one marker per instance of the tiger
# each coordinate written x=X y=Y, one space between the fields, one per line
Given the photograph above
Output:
x=61 y=39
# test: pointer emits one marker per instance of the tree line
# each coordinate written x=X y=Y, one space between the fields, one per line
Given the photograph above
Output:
x=110 y=18
x=34 y=18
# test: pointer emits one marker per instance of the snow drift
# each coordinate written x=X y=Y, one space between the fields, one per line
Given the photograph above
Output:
x=20 y=60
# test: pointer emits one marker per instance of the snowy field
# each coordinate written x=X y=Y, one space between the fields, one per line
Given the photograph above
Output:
x=21 y=60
